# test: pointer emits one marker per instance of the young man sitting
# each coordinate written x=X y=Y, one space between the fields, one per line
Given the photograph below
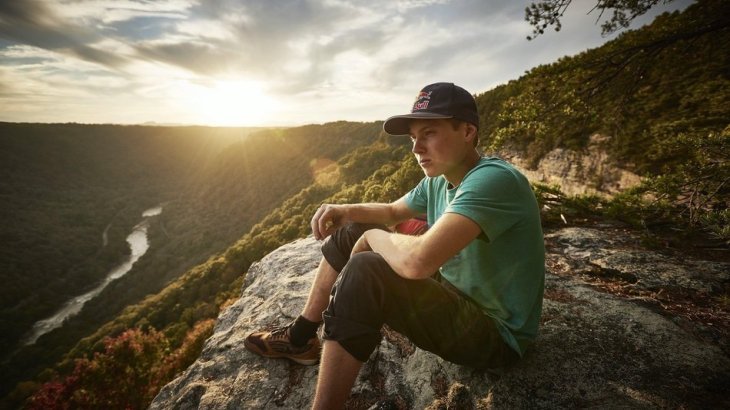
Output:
x=484 y=239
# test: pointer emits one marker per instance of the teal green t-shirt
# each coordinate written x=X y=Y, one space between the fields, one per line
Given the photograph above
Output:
x=503 y=269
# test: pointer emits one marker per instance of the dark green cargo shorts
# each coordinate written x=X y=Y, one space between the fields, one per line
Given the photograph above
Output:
x=431 y=312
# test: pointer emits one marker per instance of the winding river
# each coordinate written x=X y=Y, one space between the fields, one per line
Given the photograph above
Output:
x=139 y=244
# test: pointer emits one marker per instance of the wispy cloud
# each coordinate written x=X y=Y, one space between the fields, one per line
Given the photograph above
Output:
x=34 y=23
x=315 y=60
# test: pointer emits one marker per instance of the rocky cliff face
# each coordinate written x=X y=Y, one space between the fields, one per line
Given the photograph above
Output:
x=622 y=327
x=589 y=172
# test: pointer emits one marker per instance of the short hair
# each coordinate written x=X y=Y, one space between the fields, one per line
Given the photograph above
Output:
x=456 y=123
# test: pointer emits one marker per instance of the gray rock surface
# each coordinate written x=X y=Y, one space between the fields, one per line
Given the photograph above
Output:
x=598 y=347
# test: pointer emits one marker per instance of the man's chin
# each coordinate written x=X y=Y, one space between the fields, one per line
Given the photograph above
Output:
x=429 y=172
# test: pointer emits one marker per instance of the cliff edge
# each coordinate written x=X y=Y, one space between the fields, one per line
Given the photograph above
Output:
x=622 y=327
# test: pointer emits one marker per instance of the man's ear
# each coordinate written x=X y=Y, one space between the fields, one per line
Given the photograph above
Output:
x=471 y=132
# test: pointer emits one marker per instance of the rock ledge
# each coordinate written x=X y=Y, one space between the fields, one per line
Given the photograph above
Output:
x=595 y=349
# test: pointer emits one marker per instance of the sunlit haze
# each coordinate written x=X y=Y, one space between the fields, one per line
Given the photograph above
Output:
x=256 y=63
x=225 y=102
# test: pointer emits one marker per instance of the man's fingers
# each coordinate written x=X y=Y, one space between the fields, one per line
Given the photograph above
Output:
x=315 y=223
x=325 y=219
x=322 y=221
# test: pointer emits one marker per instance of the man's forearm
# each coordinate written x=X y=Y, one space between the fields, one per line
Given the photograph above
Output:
x=330 y=217
x=374 y=213
x=401 y=252
x=417 y=257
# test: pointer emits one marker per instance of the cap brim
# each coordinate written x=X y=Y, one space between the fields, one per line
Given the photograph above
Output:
x=399 y=124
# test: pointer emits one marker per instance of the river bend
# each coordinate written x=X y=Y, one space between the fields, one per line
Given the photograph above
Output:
x=139 y=244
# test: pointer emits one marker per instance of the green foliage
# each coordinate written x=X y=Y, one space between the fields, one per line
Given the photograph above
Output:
x=548 y=113
x=693 y=196
x=559 y=209
x=670 y=75
x=662 y=95
x=695 y=190
x=717 y=223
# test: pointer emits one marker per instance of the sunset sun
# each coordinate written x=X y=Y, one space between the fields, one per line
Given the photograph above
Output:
x=229 y=103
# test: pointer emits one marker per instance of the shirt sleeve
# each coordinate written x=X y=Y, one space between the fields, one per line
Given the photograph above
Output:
x=489 y=197
x=417 y=198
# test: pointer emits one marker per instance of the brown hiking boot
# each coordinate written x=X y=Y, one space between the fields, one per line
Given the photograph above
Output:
x=276 y=344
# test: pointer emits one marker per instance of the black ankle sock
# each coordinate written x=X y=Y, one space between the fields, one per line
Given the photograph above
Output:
x=302 y=330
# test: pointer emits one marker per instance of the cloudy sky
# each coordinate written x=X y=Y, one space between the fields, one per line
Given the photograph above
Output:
x=265 y=62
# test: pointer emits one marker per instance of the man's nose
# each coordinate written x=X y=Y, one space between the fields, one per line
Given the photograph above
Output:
x=417 y=147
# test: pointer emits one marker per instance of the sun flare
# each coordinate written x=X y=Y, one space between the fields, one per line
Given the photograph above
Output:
x=229 y=103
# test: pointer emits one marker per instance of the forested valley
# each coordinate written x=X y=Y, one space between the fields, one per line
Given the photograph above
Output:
x=661 y=93
x=68 y=183
x=65 y=188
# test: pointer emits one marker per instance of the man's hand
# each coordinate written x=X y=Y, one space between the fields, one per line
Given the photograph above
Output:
x=328 y=219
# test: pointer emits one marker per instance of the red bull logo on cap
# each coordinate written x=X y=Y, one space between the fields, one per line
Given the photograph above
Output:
x=422 y=101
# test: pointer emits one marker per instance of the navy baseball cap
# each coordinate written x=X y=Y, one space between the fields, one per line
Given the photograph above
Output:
x=438 y=100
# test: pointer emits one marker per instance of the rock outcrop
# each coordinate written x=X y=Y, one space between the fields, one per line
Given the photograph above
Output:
x=620 y=329
x=591 y=171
